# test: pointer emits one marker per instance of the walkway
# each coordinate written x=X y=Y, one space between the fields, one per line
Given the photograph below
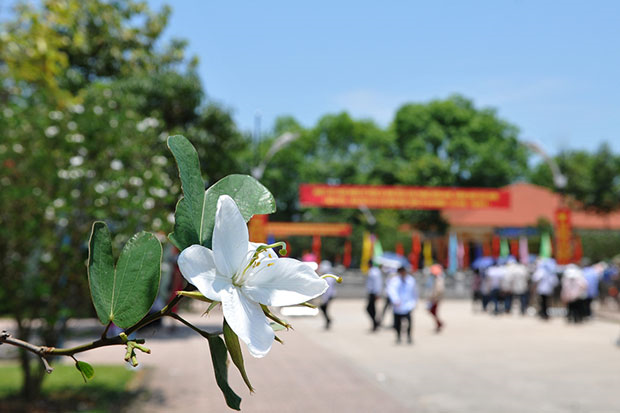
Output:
x=480 y=363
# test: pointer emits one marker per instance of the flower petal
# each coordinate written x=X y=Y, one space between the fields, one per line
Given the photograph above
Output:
x=198 y=267
x=285 y=282
x=230 y=237
x=247 y=320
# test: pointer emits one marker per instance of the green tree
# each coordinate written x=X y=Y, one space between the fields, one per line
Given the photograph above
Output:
x=592 y=180
x=88 y=97
x=451 y=142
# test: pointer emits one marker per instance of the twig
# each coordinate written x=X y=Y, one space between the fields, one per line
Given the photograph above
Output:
x=193 y=327
x=41 y=351
x=105 y=332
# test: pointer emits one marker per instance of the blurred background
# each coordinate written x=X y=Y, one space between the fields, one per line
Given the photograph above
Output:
x=518 y=97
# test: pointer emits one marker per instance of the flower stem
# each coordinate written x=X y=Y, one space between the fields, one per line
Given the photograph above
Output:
x=193 y=327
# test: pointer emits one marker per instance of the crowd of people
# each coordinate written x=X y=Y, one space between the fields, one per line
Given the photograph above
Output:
x=499 y=283
x=500 y=286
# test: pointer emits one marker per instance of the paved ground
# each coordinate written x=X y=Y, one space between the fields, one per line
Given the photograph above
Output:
x=480 y=363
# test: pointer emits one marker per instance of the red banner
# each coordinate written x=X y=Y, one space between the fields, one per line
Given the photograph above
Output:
x=563 y=236
x=326 y=229
x=401 y=197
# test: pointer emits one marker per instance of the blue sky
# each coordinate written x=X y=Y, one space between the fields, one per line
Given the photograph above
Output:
x=550 y=67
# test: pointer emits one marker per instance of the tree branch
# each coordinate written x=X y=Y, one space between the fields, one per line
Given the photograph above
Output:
x=42 y=351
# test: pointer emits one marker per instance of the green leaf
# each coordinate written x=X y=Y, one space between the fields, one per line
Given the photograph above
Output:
x=195 y=212
x=188 y=214
x=250 y=196
x=85 y=369
x=123 y=294
x=232 y=342
x=219 y=356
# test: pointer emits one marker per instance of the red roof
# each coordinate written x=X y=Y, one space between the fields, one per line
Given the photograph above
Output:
x=528 y=203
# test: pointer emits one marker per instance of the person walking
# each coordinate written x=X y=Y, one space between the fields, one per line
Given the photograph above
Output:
x=520 y=282
x=403 y=295
x=325 y=267
x=436 y=294
x=546 y=280
x=574 y=288
x=374 y=285
x=507 y=286
x=495 y=275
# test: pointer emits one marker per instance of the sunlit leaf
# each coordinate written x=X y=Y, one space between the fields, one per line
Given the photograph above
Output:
x=123 y=294
x=86 y=370
x=188 y=215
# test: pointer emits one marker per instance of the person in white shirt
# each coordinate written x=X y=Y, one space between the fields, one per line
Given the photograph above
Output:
x=520 y=277
x=403 y=295
x=507 y=286
x=495 y=275
x=374 y=285
x=574 y=289
x=546 y=280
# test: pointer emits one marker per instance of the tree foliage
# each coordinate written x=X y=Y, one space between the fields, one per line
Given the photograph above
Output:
x=88 y=95
x=592 y=179
x=440 y=143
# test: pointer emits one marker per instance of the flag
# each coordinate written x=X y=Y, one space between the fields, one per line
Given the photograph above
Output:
x=366 y=252
x=346 y=259
x=514 y=248
x=524 y=253
x=495 y=246
x=503 y=248
x=545 y=246
x=428 y=253
x=452 y=254
x=377 y=250
x=316 y=248
x=461 y=254
x=486 y=249
x=414 y=255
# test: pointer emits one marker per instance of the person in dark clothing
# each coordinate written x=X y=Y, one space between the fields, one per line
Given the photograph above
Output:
x=374 y=285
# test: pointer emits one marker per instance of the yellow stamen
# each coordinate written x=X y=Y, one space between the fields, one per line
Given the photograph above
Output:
x=335 y=277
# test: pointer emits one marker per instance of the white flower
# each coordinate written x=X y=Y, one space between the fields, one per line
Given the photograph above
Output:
x=243 y=275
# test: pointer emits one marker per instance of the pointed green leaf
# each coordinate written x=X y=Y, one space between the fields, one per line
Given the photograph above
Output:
x=188 y=215
x=219 y=356
x=195 y=212
x=101 y=270
x=123 y=295
x=232 y=342
x=85 y=369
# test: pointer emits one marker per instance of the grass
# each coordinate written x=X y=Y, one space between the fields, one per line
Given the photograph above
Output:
x=64 y=390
